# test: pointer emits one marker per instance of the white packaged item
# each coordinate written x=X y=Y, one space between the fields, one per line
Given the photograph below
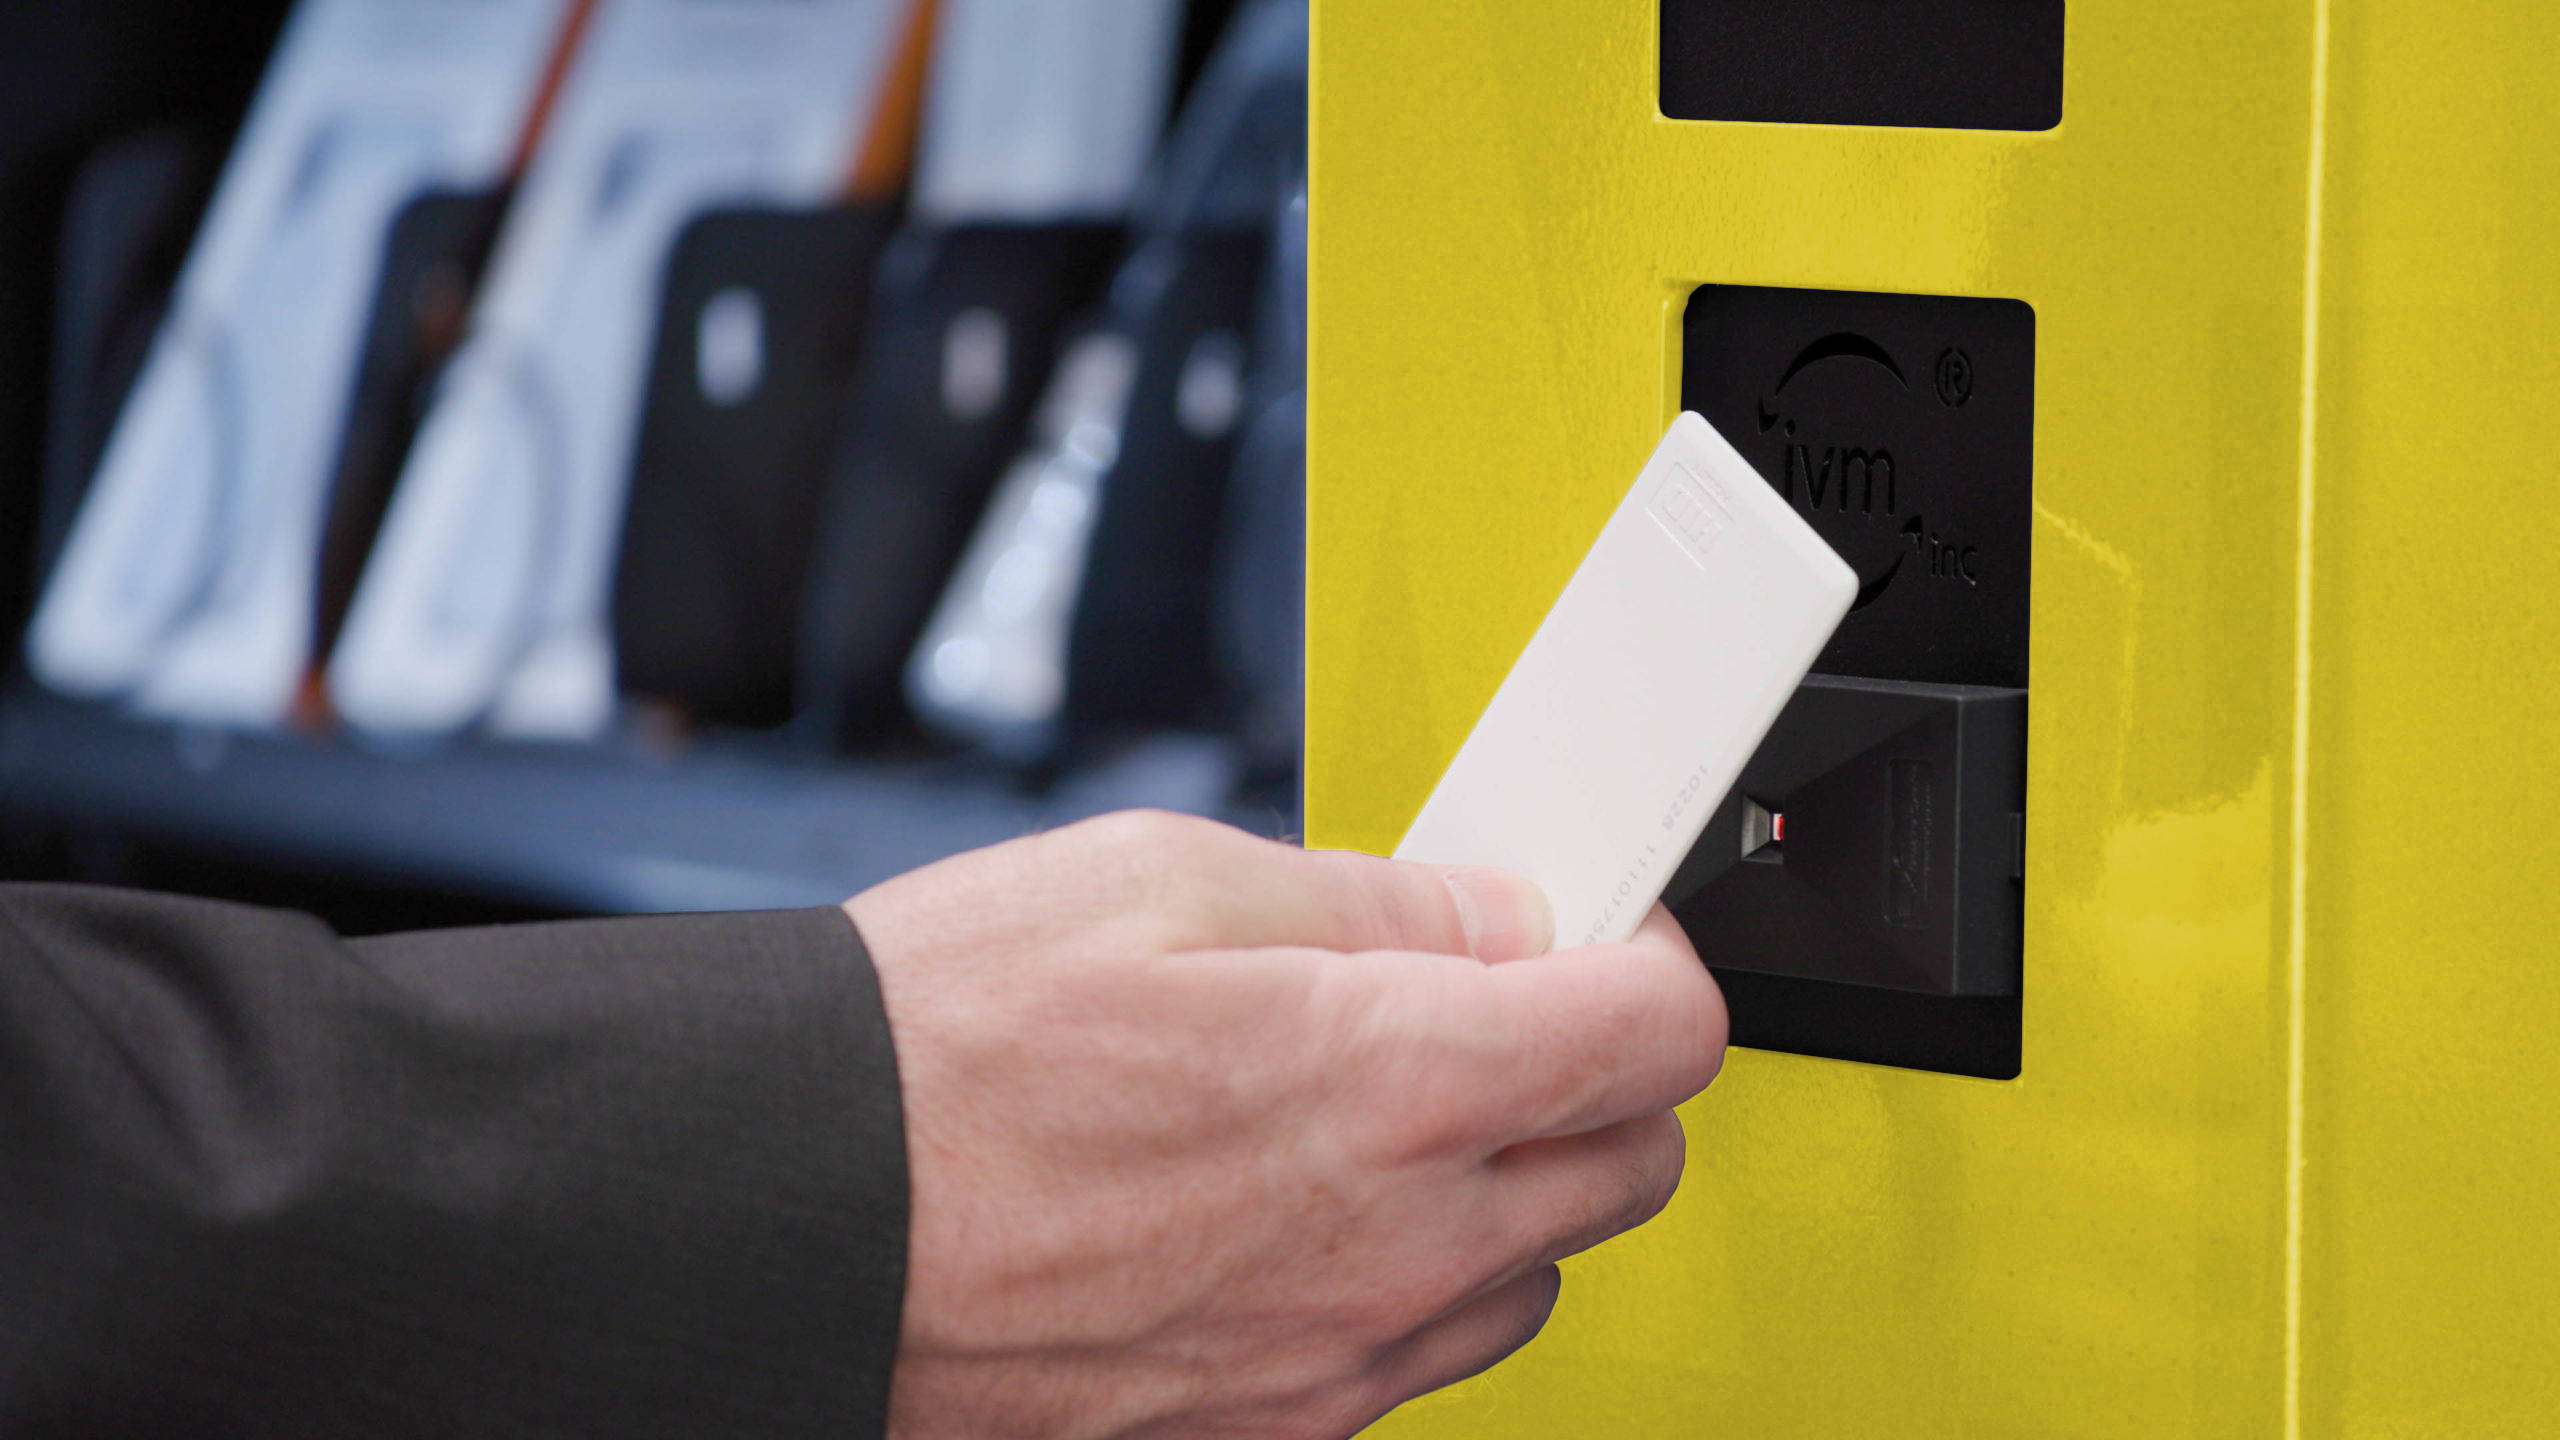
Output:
x=192 y=570
x=490 y=591
x=1042 y=111
x=992 y=662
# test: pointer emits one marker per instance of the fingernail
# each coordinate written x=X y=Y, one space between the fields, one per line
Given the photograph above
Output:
x=1503 y=916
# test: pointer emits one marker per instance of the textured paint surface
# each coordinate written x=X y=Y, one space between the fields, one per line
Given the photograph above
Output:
x=1505 y=232
x=2118 y=1243
x=2432 y=1275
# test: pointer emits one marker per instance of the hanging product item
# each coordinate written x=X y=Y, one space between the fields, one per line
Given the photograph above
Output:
x=1038 y=130
x=189 y=579
x=488 y=595
x=1084 y=602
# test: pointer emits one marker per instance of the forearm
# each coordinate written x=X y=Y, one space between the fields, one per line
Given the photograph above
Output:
x=630 y=1177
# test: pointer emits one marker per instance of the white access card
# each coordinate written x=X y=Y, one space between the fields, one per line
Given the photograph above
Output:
x=1644 y=692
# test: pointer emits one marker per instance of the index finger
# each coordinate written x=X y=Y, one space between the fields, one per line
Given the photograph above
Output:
x=1606 y=1033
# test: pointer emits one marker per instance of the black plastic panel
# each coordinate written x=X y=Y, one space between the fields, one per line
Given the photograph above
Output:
x=1886 y=926
x=1953 y=64
x=726 y=490
x=1951 y=1034
x=1903 y=427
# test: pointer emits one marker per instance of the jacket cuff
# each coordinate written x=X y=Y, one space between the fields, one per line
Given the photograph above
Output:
x=717 y=1244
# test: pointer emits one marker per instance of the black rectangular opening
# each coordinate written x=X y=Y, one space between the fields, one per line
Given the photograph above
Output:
x=1948 y=64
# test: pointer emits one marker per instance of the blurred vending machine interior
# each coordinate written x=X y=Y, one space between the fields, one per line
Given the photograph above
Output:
x=577 y=456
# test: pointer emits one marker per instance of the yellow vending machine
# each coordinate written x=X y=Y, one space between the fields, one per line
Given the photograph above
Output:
x=2141 y=933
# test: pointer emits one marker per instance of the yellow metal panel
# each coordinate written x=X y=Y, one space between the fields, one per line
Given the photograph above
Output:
x=2432 y=1296
x=1505 y=230
x=2166 y=1225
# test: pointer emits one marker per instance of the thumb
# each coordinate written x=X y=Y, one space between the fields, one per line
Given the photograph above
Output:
x=1502 y=916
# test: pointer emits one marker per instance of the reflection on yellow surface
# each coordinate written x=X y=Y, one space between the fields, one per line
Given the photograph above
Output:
x=1505 y=231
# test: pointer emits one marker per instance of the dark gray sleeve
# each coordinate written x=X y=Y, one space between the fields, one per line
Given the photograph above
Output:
x=609 y=1178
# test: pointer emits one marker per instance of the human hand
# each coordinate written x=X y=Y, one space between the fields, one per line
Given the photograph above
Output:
x=1213 y=1136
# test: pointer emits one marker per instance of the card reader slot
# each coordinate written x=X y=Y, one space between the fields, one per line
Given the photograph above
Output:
x=1891 y=808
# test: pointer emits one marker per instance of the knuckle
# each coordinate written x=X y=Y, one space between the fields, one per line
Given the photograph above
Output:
x=1538 y=1306
x=1627 y=1190
x=1152 y=832
x=1440 y=1118
x=1660 y=1157
x=1463 y=1273
x=1163 y=874
x=1379 y=1315
x=1714 y=1031
x=1401 y=1134
x=1417 y=1082
x=1163 y=928
x=1551 y=1073
x=1385 y=1313
x=1522 y=1312
x=1341 y=1412
x=1302 y=1379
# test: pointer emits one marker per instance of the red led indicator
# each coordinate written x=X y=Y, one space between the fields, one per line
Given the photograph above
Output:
x=1777 y=829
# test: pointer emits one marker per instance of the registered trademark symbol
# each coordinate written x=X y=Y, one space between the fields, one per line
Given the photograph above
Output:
x=1955 y=376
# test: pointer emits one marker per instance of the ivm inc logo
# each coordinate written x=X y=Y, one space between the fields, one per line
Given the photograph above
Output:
x=1859 y=476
